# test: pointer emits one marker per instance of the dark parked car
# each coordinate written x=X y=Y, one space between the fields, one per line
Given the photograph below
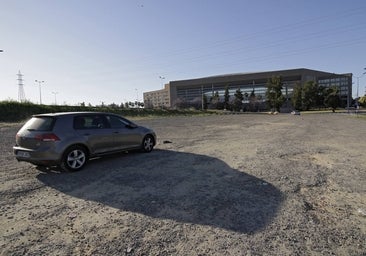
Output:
x=69 y=139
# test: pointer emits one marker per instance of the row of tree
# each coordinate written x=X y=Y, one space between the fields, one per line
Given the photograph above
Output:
x=311 y=95
x=228 y=103
x=128 y=104
x=304 y=97
x=248 y=102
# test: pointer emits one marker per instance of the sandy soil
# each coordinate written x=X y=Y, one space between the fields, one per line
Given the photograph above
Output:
x=215 y=185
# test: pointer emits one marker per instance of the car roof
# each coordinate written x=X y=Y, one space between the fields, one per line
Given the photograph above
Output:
x=71 y=114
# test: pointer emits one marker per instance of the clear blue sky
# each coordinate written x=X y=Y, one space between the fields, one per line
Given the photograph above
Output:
x=112 y=51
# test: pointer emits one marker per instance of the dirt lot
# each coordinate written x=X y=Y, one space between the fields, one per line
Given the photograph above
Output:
x=224 y=185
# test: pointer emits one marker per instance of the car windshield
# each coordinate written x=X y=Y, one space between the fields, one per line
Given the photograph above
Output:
x=39 y=124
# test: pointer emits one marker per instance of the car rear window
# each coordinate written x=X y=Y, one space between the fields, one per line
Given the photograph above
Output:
x=43 y=123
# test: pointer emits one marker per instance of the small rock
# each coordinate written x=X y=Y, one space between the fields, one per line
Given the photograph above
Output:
x=72 y=215
x=361 y=212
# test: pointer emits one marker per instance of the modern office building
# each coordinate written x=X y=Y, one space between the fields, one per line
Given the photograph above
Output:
x=191 y=92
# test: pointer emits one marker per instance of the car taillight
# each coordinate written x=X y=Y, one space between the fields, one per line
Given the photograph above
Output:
x=47 y=137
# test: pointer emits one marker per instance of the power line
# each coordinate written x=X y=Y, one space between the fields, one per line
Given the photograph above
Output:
x=290 y=38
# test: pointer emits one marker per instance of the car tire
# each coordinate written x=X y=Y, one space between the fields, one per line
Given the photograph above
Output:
x=147 y=144
x=74 y=159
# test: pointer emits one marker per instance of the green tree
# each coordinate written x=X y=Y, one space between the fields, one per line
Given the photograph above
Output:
x=252 y=101
x=309 y=95
x=321 y=96
x=274 y=96
x=297 y=97
x=332 y=99
x=238 y=100
x=226 y=98
x=215 y=99
x=205 y=102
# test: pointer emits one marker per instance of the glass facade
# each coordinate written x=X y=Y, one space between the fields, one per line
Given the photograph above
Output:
x=190 y=92
x=344 y=85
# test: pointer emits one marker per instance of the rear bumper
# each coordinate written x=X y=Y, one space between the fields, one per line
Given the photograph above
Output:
x=38 y=157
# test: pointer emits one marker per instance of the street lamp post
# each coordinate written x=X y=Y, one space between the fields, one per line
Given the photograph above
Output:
x=40 y=94
x=161 y=98
x=358 y=81
x=162 y=79
x=358 y=85
x=54 y=93
x=137 y=94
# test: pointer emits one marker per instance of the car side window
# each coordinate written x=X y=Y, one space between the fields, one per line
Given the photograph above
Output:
x=79 y=123
x=116 y=122
x=99 y=122
x=91 y=122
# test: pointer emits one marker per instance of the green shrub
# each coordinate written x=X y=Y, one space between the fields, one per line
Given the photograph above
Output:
x=13 y=111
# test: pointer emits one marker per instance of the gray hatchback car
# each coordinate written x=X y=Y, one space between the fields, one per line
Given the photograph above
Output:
x=70 y=139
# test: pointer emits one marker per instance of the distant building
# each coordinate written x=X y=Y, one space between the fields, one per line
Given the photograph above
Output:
x=190 y=92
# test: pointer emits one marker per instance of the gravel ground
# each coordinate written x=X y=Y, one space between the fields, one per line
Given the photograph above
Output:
x=215 y=185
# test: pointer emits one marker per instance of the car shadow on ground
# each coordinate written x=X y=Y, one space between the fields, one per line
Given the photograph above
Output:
x=179 y=186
